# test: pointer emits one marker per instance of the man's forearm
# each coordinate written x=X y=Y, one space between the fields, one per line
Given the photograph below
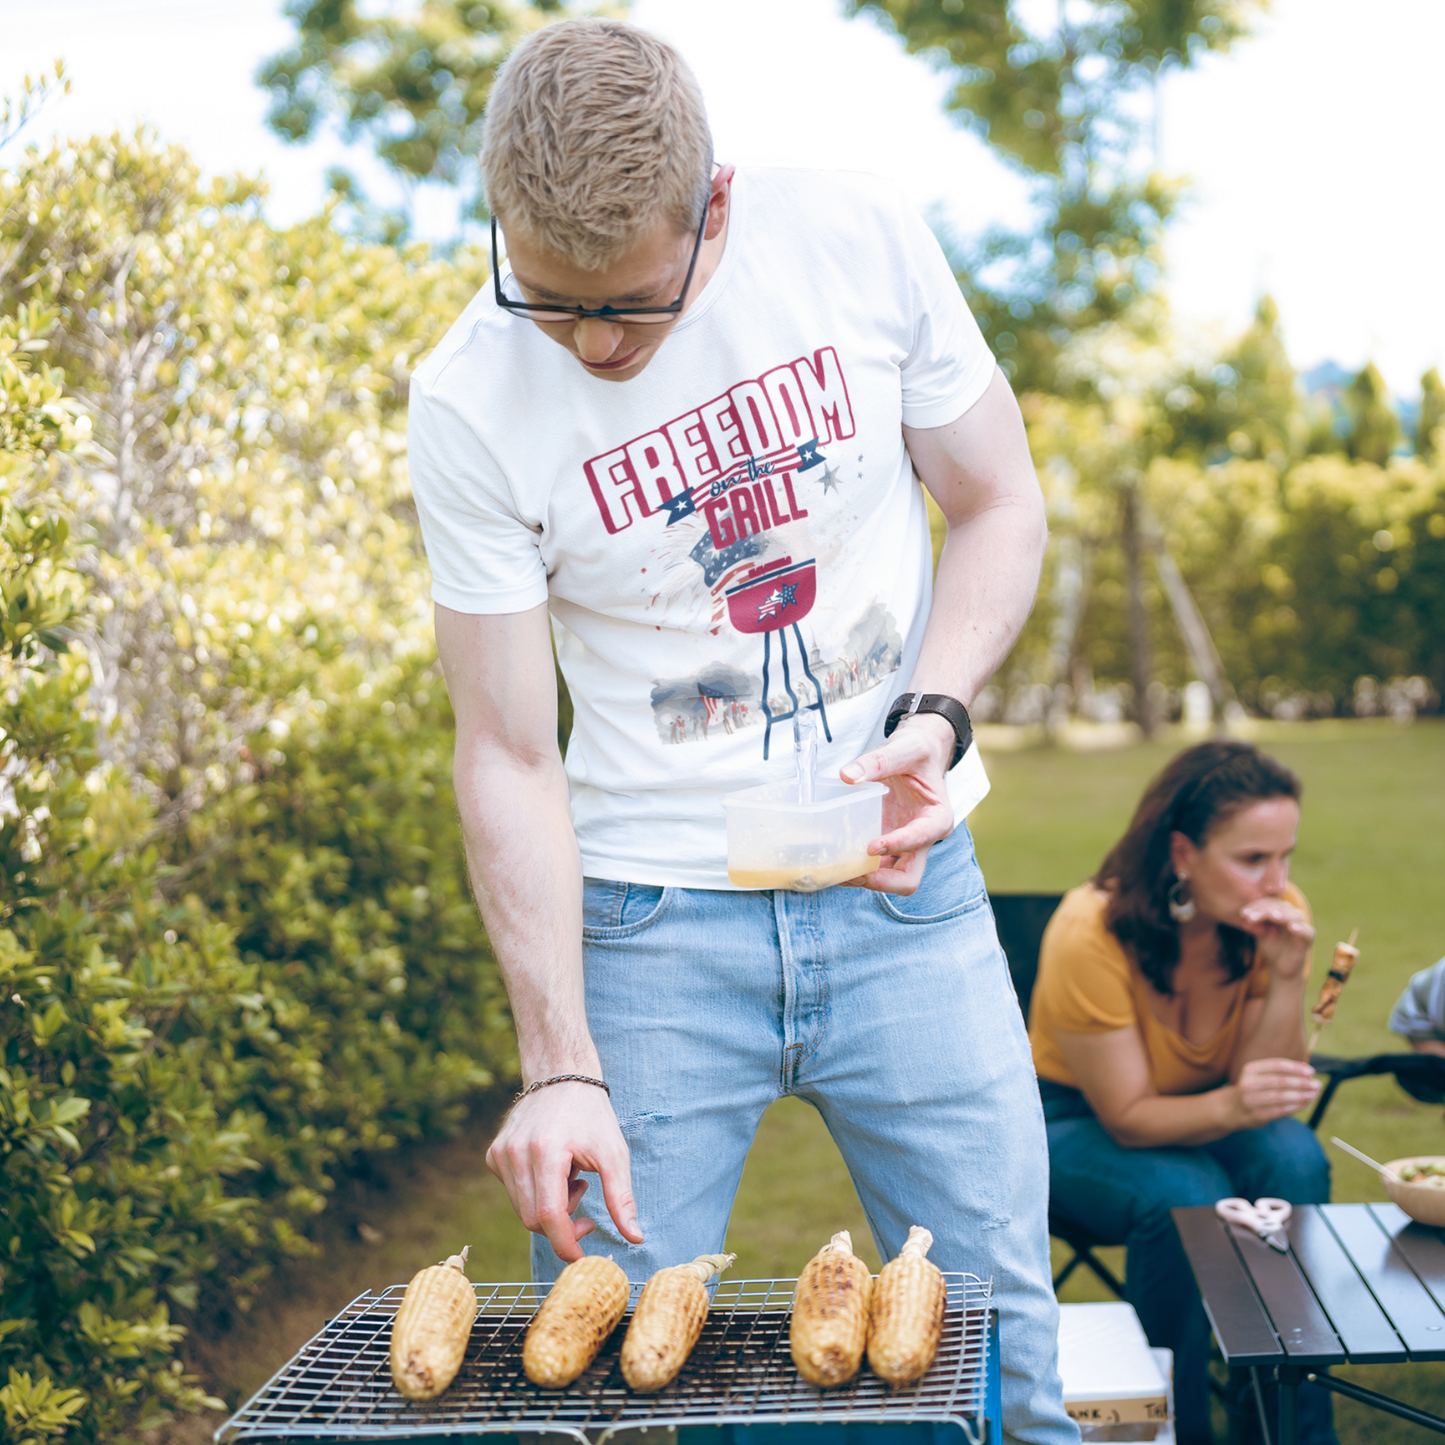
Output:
x=522 y=856
x=979 y=471
x=527 y=877
x=988 y=576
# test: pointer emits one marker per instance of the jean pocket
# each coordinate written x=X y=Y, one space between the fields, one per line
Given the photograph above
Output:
x=952 y=885
x=619 y=910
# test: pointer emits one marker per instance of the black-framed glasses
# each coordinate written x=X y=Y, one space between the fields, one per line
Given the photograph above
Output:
x=509 y=294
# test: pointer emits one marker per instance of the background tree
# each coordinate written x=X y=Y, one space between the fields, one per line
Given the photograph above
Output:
x=1432 y=415
x=412 y=84
x=1069 y=106
x=1243 y=402
x=1374 y=427
x=17 y=111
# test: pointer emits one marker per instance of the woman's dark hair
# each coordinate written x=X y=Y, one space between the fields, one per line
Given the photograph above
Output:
x=1202 y=787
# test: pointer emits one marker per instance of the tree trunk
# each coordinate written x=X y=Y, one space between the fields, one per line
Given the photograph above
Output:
x=1140 y=654
x=1191 y=624
x=1071 y=592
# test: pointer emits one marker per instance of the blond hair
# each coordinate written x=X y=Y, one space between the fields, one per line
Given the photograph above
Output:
x=593 y=129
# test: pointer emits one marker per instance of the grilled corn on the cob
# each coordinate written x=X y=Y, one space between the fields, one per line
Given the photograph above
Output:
x=667 y=1321
x=582 y=1309
x=429 y=1333
x=906 y=1317
x=830 y=1314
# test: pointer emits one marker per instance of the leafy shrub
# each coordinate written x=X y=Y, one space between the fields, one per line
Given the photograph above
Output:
x=246 y=389
x=163 y=1056
x=338 y=870
x=112 y=1166
x=196 y=1027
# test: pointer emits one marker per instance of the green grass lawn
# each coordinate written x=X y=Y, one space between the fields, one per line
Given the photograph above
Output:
x=1371 y=855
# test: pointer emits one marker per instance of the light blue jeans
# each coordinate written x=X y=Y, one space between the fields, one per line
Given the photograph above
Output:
x=896 y=1018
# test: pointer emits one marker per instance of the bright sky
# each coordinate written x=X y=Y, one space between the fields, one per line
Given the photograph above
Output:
x=1314 y=148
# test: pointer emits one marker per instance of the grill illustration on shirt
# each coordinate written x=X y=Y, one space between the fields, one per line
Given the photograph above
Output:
x=770 y=602
x=735 y=487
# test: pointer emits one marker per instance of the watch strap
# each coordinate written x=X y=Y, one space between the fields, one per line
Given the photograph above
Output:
x=948 y=708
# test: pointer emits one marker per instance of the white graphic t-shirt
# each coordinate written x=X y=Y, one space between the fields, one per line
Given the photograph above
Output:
x=732 y=535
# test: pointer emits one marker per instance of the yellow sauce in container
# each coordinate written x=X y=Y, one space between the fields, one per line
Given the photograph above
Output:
x=804 y=878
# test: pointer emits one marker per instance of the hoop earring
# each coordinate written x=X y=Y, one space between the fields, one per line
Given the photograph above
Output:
x=1181 y=906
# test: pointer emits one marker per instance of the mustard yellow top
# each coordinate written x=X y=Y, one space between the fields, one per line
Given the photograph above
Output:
x=1088 y=984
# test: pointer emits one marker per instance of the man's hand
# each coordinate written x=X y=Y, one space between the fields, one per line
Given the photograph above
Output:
x=916 y=812
x=545 y=1142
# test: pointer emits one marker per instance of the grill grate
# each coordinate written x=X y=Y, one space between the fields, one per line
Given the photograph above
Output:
x=339 y=1386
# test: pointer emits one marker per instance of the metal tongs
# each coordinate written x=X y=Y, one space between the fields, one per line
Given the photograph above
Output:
x=1265 y=1217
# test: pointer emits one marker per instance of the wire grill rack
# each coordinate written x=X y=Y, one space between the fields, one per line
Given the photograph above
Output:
x=339 y=1386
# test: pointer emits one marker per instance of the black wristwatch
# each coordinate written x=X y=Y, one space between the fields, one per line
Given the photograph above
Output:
x=946 y=707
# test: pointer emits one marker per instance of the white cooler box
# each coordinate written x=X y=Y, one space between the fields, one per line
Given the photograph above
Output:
x=1115 y=1385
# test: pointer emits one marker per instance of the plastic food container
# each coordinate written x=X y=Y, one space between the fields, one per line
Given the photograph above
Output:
x=774 y=841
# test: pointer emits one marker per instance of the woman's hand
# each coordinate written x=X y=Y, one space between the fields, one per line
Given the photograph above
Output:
x=1282 y=934
x=1270 y=1089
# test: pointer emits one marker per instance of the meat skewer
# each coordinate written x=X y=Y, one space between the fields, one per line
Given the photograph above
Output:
x=1344 y=960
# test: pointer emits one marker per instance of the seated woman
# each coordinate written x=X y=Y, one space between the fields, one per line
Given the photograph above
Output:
x=1167 y=1026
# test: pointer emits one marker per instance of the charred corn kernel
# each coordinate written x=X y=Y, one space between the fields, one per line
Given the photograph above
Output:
x=429 y=1333
x=582 y=1309
x=830 y=1314
x=667 y=1321
x=906 y=1317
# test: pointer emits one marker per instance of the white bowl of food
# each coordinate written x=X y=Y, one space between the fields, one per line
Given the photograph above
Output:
x=1420 y=1191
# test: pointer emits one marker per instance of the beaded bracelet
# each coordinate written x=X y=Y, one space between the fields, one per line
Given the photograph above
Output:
x=561 y=1079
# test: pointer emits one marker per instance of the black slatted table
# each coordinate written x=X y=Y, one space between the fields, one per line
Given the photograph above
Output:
x=1362 y=1284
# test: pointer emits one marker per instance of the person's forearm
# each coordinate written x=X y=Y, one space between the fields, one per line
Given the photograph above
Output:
x=1280 y=1032
x=988 y=576
x=527 y=877
x=1165 y=1120
x=979 y=471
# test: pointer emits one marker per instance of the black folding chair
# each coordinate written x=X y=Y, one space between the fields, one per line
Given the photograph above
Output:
x=1021 y=919
x=1421 y=1076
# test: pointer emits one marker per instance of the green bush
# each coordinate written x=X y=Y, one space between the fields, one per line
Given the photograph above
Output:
x=180 y=1077
x=197 y=1029
x=237 y=948
x=338 y=870
x=112 y=1163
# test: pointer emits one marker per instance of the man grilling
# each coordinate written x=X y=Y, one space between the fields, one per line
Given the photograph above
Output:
x=672 y=391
